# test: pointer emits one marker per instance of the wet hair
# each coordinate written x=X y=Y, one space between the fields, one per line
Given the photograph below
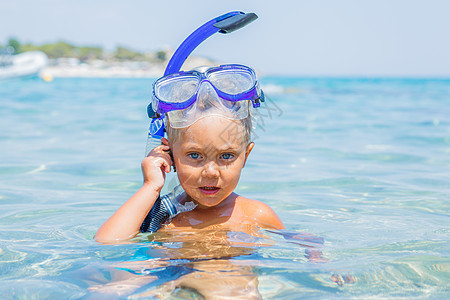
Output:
x=173 y=134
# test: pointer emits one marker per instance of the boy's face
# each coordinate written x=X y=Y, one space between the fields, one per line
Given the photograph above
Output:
x=209 y=156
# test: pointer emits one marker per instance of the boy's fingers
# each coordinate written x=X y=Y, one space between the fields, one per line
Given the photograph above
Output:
x=166 y=165
x=161 y=163
x=159 y=149
x=163 y=147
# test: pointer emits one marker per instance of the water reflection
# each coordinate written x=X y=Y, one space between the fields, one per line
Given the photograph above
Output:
x=198 y=263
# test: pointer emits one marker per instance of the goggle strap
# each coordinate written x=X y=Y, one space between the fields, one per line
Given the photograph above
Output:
x=152 y=114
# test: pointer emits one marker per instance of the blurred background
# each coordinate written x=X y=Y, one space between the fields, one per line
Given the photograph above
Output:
x=331 y=38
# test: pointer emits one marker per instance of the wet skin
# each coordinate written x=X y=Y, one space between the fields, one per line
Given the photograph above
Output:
x=208 y=167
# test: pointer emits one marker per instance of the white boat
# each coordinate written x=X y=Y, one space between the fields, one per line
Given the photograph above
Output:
x=27 y=64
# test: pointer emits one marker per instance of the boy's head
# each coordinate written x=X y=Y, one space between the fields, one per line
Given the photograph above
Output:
x=203 y=107
x=208 y=123
x=209 y=156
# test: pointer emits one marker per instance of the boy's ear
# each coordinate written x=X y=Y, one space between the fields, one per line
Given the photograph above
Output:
x=164 y=141
x=247 y=151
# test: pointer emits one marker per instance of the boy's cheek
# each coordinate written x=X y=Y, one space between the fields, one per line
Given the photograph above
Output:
x=186 y=174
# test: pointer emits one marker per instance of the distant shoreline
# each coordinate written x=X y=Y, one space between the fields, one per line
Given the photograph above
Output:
x=67 y=68
x=95 y=72
x=72 y=68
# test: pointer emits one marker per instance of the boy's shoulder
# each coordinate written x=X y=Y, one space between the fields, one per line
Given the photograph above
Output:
x=260 y=212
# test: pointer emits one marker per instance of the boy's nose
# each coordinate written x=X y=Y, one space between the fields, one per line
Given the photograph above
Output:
x=211 y=170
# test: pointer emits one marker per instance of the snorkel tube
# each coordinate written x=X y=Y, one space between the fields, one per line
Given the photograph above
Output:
x=226 y=23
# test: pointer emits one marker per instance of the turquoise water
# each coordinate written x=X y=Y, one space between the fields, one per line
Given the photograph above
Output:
x=363 y=163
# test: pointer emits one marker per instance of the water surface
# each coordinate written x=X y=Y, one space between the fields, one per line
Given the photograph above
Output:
x=362 y=163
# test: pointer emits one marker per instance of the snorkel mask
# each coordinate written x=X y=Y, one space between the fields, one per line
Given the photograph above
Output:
x=228 y=90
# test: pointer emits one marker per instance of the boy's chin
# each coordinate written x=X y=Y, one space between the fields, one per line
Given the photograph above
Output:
x=205 y=201
x=208 y=202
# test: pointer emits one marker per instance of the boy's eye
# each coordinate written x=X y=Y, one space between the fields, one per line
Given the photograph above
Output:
x=194 y=155
x=227 y=156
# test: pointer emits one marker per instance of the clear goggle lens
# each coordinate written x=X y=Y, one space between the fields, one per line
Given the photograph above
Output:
x=177 y=89
x=181 y=87
x=232 y=82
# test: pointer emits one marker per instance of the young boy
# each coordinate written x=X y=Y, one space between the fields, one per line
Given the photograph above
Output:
x=210 y=143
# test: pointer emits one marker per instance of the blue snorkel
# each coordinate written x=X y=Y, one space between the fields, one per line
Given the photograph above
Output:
x=167 y=206
x=226 y=23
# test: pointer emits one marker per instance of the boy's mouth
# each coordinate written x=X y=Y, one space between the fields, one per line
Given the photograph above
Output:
x=209 y=190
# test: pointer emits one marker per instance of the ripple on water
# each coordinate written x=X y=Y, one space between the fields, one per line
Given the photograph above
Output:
x=39 y=289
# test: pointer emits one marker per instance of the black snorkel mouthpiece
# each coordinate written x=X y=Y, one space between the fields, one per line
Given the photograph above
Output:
x=235 y=22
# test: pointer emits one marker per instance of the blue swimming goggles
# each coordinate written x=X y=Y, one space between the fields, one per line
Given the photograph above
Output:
x=230 y=82
x=177 y=90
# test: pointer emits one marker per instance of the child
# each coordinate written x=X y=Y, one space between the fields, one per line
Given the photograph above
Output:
x=210 y=143
x=208 y=116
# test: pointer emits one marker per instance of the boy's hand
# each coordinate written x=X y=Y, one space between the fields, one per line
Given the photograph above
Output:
x=156 y=165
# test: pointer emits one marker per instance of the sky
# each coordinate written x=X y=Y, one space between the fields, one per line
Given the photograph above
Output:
x=408 y=38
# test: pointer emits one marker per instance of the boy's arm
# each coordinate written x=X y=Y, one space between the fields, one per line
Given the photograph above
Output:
x=126 y=221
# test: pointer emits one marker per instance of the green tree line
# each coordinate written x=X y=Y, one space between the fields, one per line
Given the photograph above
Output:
x=61 y=49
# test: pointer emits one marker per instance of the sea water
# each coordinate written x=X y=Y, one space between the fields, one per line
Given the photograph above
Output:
x=362 y=163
